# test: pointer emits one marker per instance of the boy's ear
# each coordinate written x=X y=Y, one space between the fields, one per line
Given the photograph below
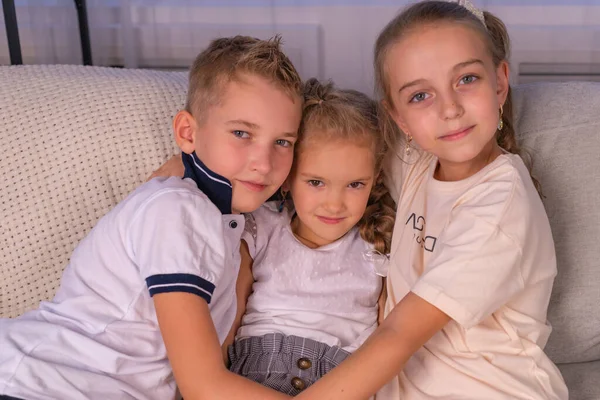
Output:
x=184 y=128
x=502 y=81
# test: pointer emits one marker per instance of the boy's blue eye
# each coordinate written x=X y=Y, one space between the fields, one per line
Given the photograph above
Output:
x=468 y=79
x=356 y=185
x=283 y=143
x=419 y=97
x=241 y=134
x=314 y=182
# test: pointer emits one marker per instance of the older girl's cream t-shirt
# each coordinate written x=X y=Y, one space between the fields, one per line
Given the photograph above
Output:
x=480 y=250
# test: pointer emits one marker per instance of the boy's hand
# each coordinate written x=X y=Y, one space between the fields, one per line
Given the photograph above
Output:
x=173 y=167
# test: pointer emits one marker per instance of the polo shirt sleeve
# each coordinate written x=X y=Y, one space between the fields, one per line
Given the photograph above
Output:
x=476 y=267
x=177 y=243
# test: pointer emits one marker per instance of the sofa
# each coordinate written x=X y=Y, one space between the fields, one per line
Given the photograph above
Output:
x=75 y=140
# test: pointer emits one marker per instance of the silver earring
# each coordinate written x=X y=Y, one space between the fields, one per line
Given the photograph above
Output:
x=501 y=122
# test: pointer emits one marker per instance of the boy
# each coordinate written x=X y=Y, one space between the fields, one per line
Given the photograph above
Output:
x=156 y=276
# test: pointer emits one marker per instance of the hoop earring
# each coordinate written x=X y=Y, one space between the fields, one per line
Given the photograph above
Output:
x=501 y=122
x=281 y=204
x=407 y=149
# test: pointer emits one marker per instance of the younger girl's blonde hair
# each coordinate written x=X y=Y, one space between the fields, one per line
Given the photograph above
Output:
x=332 y=114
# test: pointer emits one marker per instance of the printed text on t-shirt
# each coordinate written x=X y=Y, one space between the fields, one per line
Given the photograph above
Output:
x=418 y=225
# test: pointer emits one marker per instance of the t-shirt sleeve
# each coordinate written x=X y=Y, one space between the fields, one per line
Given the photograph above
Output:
x=176 y=241
x=476 y=267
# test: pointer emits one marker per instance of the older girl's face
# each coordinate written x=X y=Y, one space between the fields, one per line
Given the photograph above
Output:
x=446 y=91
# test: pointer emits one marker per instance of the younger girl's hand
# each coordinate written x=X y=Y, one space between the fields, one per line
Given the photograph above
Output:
x=173 y=167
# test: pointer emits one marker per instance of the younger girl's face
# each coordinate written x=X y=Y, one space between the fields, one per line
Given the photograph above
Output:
x=330 y=185
x=446 y=91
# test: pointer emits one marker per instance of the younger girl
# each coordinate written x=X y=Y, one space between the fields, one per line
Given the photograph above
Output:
x=472 y=260
x=318 y=264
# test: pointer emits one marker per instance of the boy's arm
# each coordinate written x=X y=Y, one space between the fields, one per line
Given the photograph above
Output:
x=412 y=322
x=243 y=288
x=194 y=352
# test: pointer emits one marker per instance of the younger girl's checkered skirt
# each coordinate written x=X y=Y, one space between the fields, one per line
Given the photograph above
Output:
x=288 y=364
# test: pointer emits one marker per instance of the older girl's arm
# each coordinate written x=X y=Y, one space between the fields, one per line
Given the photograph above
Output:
x=172 y=167
x=412 y=322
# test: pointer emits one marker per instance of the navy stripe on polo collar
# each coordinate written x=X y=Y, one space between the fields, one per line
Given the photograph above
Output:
x=214 y=186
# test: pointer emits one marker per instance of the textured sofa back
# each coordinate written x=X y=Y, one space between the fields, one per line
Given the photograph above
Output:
x=74 y=141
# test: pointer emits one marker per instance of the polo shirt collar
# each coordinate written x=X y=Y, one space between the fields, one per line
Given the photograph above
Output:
x=214 y=186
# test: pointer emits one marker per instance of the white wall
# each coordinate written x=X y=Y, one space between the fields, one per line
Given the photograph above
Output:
x=327 y=42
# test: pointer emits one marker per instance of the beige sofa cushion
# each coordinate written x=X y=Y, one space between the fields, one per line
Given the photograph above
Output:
x=74 y=142
x=560 y=124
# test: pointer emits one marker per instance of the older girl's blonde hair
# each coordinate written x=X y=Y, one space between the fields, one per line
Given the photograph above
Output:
x=494 y=34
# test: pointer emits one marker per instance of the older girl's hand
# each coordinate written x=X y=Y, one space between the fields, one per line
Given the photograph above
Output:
x=173 y=167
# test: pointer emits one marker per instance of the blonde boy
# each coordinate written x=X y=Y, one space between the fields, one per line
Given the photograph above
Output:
x=151 y=290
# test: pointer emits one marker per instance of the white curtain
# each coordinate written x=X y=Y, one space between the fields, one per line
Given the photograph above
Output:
x=326 y=38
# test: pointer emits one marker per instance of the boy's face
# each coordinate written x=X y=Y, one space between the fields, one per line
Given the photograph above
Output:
x=249 y=137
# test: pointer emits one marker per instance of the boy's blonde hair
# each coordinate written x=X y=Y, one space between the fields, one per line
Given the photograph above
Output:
x=332 y=114
x=227 y=59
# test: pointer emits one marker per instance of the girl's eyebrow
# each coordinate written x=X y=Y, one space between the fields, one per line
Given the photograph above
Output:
x=311 y=176
x=411 y=83
x=318 y=178
x=467 y=63
x=455 y=68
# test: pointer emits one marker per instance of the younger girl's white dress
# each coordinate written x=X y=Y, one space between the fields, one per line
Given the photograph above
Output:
x=310 y=308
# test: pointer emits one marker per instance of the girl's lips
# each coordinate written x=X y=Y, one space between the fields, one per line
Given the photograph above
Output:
x=459 y=134
x=330 y=221
x=255 y=187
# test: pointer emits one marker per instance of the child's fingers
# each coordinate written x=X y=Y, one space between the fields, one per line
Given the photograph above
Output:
x=173 y=167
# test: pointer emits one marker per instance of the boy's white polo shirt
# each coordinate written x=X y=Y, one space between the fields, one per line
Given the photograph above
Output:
x=99 y=337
